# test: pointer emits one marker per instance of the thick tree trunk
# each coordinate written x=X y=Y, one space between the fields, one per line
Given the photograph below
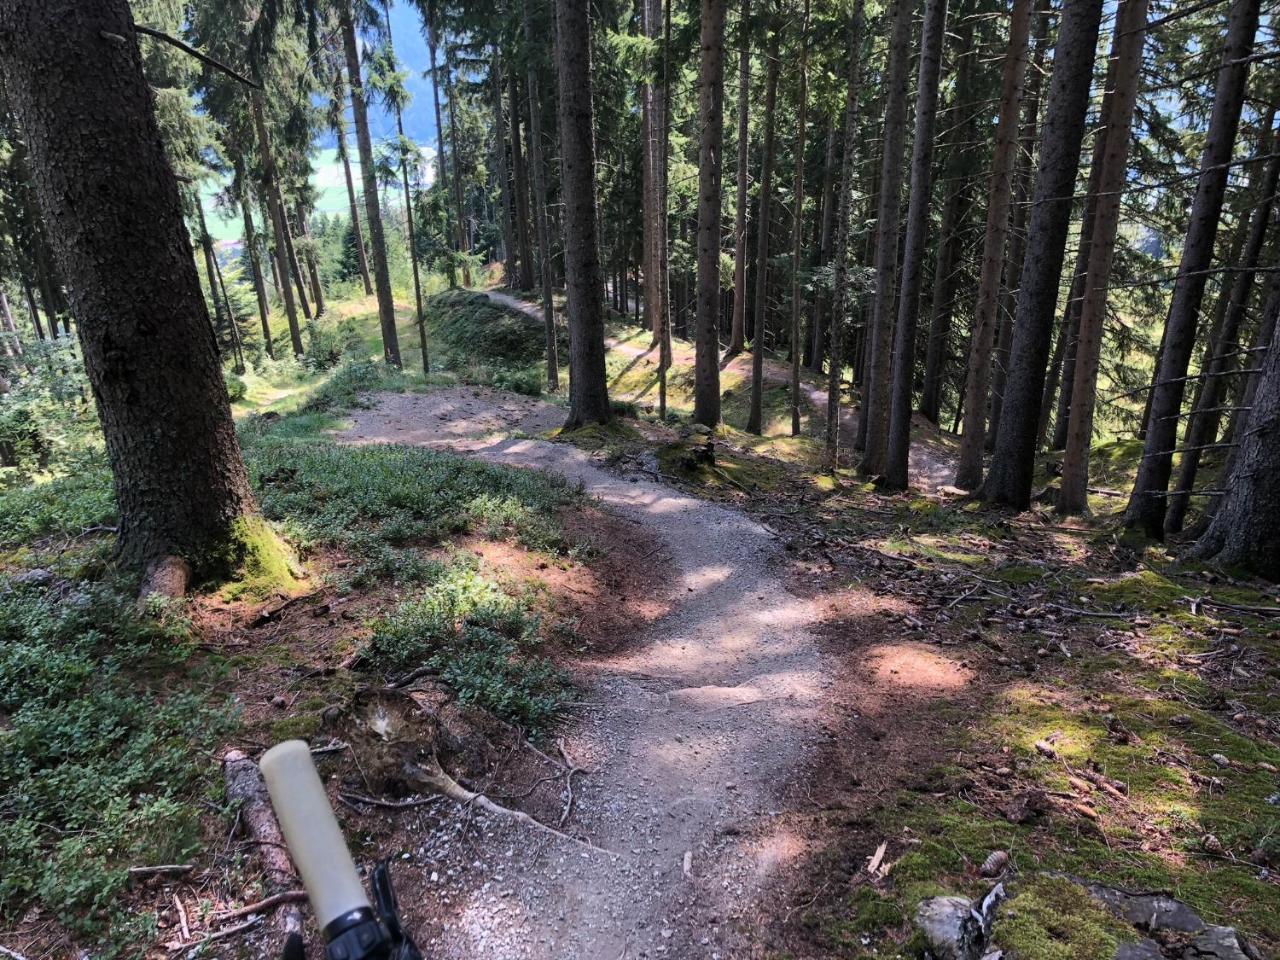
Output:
x=797 y=220
x=271 y=192
x=1223 y=358
x=706 y=396
x=1245 y=531
x=844 y=201
x=738 y=325
x=1000 y=195
x=1131 y=22
x=1146 y=509
x=898 y=447
x=522 y=190
x=1013 y=462
x=540 y=203
x=510 y=253
x=588 y=388
x=112 y=206
x=755 y=418
x=373 y=213
x=340 y=131
x=874 y=427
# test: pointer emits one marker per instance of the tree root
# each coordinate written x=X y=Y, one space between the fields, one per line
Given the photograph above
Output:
x=433 y=777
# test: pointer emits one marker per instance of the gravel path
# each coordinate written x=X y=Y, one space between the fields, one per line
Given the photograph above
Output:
x=931 y=464
x=690 y=735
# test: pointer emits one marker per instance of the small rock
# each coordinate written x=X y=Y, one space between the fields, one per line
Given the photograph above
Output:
x=39 y=577
x=1148 y=911
x=1142 y=950
x=1218 y=943
x=948 y=923
x=1221 y=760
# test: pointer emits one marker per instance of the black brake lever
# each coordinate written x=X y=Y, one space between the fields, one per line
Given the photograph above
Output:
x=388 y=910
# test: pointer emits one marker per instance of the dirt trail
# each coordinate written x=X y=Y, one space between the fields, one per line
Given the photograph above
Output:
x=690 y=735
x=931 y=464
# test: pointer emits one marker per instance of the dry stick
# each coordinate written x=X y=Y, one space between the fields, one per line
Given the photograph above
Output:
x=288 y=896
x=568 y=782
x=182 y=917
x=11 y=954
x=219 y=935
x=435 y=778
x=162 y=868
x=388 y=804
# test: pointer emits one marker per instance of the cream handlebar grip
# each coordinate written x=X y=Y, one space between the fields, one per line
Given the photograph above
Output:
x=315 y=842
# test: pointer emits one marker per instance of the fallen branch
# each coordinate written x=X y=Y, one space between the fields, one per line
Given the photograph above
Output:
x=572 y=768
x=11 y=954
x=434 y=778
x=262 y=906
x=1088 y=613
x=218 y=935
x=387 y=804
x=162 y=868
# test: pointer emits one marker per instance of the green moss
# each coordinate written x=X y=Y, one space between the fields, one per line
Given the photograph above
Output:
x=304 y=726
x=1144 y=590
x=261 y=562
x=1052 y=918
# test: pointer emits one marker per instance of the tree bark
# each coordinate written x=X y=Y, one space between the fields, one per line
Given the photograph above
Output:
x=876 y=393
x=1131 y=22
x=797 y=220
x=755 y=417
x=313 y=267
x=706 y=399
x=817 y=343
x=271 y=191
x=844 y=201
x=521 y=191
x=540 y=204
x=460 y=227
x=113 y=208
x=442 y=171
x=1013 y=462
x=1146 y=509
x=1003 y=163
x=255 y=257
x=340 y=131
x=373 y=213
x=588 y=388
x=738 y=325
x=653 y=226
x=1245 y=530
x=898 y=448
x=506 y=222
x=1223 y=358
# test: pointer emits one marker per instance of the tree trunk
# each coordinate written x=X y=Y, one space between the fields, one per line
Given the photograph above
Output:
x=540 y=205
x=1245 y=531
x=112 y=206
x=255 y=258
x=817 y=342
x=460 y=227
x=797 y=220
x=1146 y=508
x=755 y=417
x=839 y=298
x=340 y=131
x=898 y=448
x=1223 y=358
x=442 y=171
x=1003 y=163
x=1013 y=462
x=706 y=401
x=505 y=220
x=313 y=268
x=1131 y=22
x=876 y=393
x=738 y=326
x=522 y=190
x=654 y=226
x=271 y=191
x=373 y=213
x=588 y=388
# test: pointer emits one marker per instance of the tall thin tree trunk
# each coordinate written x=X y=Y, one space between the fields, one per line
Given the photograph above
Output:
x=340 y=131
x=588 y=387
x=1131 y=23
x=653 y=227
x=898 y=449
x=1013 y=462
x=505 y=220
x=270 y=190
x=373 y=213
x=540 y=203
x=460 y=225
x=112 y=205
x=255 y=258
x=1000 y=195
x=442 y=171
x=817 y=343
x=295 y=267
x=797 y=233
x=313 y=267
x=1206 y=415
x=521 y=191
x=844 y=201
x=874 y=427
x=738 y=325
x=706 y=400
x=755 y=418
x=1146 y=508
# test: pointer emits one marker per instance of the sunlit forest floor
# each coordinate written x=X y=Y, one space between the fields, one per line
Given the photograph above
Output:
x=1043 y=687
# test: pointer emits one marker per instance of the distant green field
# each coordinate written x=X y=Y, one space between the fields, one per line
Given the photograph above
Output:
x=331 y=189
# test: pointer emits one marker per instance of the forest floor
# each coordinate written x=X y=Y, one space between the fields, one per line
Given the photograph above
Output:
x=771 y=709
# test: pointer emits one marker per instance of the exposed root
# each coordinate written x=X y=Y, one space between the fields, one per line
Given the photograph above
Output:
x=433 y=777
x=167 y=577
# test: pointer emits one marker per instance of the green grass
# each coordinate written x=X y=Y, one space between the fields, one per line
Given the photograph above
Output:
x=483 y=342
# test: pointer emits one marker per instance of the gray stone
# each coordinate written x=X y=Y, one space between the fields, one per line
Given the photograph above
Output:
x=950 y=926
x=1148 y=911
x=1142 y=950
x=1218 y=943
